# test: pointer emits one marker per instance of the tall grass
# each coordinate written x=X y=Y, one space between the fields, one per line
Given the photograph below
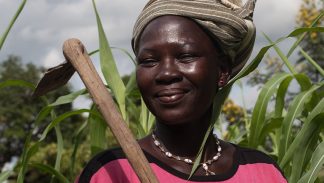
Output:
x=294 y=129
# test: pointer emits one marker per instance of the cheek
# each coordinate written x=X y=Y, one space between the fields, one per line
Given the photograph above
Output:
x=144 y=81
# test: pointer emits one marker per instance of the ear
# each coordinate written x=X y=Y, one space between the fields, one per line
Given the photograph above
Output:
x=223 y=78
x=224 y=73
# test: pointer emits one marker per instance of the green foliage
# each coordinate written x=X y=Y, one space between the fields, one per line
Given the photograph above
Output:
x=12 y=22
x=291 y=132
x=19 y=110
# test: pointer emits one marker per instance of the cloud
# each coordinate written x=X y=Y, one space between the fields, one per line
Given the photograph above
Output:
x=43 y=26
x=52 y=58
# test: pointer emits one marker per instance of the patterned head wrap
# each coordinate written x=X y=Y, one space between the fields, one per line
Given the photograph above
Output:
x=228 y=21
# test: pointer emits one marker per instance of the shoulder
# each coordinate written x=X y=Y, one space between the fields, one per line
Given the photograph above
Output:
x=254 y=162
x=106 y=158
x=250 y=156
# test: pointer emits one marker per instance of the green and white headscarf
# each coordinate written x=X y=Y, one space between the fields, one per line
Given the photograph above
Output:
x=229 y=22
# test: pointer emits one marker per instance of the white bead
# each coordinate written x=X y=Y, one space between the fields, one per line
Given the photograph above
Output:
x=188 y=160
x=219 y=148
x=205 y=166
x=157 y=143
x=215 y=158
x=168 y=154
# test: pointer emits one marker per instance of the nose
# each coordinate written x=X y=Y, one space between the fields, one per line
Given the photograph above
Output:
x=168 y=72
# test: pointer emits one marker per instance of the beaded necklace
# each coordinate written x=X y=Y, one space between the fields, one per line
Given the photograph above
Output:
x=187 y=160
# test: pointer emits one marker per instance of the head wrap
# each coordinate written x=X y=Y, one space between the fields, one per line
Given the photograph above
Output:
x=228 y=21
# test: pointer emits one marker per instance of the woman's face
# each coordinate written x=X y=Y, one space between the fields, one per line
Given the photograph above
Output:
x=178 y=69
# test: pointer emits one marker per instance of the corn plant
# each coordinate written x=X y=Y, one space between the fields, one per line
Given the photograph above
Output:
x=298 y=149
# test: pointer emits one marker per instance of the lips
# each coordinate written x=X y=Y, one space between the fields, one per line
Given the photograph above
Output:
x=171 y=96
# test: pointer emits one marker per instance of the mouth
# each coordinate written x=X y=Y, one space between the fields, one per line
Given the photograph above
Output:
x=171 y=96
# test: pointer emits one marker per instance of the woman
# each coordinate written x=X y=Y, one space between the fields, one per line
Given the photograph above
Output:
x=186 y=51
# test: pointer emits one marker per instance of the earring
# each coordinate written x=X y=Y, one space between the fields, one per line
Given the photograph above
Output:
x=223 y=79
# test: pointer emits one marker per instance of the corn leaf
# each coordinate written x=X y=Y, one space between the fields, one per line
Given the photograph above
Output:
x=312 y=62
x=294 y=110
x=126 y=52
x=76 y=141
x=256 y=61
x=317 y=163
x=108 y=67
x=44 y=112
x=281 y=55
x=19 y=83
x=60 y=119
x=68 y=98
x=217 y=106
x=59 y=147
x=280 y=97
x=310 y=125
x=28 y=151
x=98 y=129
x=304 y=82
x=50 y=170
x=5 y=175
x=12 y=22
x=291 y=50
x=300 y=158
x=260 y=108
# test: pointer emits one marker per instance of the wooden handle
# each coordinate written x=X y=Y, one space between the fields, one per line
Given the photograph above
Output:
x=76 y=54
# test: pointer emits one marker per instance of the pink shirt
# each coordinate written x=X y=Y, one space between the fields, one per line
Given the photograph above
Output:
x=249 y=166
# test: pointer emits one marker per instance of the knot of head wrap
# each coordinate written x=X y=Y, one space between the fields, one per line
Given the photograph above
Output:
x=228 y=21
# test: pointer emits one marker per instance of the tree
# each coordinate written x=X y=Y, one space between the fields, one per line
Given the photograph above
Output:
x=313 y=43
x=19 y=110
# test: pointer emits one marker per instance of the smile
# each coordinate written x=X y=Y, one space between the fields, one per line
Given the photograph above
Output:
x=171 y=96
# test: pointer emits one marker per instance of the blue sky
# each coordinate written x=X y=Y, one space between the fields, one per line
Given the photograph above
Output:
x=43 y=26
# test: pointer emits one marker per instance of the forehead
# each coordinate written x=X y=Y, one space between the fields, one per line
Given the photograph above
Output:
x=174 y=29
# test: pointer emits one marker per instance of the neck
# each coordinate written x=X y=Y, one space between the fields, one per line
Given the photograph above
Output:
x=185 y=140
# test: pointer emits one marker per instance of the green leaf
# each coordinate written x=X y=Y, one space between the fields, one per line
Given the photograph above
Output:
x=280 y=97
x=260 y=108
x=50 y=170
x=60 y=144
x=126 y=52
x=98 y=129
x=68 y=98
x=217 y=106
x=291 y=50
x=108 y=67
x=294 y=110
x=281 y=55
x=19 y=83
x=300 y=158
x=317 y=163
x=304 y=82
x=5 y=175
x=76 y=142
x=28 y=151
x=61 y=118
x=12 y=22
x=310 y=125
x=312 y=62
x=269 y=127
x=146 y=119
x=302 y=30
x=45 y=111
x=131 y=85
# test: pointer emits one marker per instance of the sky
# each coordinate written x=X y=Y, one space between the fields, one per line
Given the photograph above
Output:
x=44 y=25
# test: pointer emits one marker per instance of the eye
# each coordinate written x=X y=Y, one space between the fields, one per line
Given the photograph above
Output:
x=186 y=58
x=146 y=62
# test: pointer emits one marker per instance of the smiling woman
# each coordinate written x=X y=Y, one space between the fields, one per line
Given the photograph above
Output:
x=186 y=51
